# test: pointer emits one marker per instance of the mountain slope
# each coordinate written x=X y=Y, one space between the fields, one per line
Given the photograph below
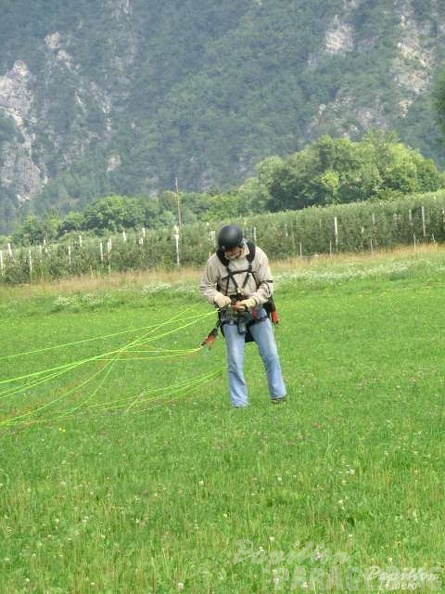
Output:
x=128 y=95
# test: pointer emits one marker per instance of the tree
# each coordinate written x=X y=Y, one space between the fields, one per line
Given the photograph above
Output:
x=114 y=213
x=254 y=196
x=73 y=221
x=331 y=171
x=34 y=231
x=402 y=169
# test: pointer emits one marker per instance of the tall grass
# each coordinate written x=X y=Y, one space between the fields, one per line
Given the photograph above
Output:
x=340 y=489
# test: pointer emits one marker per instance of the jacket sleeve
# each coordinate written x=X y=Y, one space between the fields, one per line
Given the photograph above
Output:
x=263 y=277
x=209 y=280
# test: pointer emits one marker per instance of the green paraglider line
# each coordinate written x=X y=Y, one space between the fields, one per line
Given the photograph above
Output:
x=138 y=349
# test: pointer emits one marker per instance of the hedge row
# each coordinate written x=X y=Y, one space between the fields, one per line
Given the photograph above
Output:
x=358 y=227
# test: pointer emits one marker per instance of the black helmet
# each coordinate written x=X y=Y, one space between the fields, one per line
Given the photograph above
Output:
x=230 y=236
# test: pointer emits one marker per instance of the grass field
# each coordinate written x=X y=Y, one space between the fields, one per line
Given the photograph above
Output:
x=123 y=468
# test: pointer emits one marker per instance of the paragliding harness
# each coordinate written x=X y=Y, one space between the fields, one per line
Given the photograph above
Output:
x=242 y=319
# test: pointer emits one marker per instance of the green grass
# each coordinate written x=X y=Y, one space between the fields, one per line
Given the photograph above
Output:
x=134 y=475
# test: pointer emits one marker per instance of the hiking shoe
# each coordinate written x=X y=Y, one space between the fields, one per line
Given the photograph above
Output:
x=279 y=400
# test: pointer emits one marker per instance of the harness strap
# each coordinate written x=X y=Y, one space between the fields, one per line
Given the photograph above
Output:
x=231 y=274
x=269 y=306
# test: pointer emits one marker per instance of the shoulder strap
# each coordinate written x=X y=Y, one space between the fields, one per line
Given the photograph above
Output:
x=251 y=254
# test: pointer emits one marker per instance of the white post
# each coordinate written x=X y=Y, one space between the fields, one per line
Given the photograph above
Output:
x=80 y=240
x=69 y=255
x=423 y=221
x=101 y=248
x=254 y=235
x=9 y=250
x=30 y=262
x=336 y=231
x=124 y=236
x=1 y=260
x=176 y=235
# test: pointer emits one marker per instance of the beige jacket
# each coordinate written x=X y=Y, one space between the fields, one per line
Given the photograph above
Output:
x=259 y=284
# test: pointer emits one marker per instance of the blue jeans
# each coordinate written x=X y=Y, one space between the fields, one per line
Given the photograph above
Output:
x=263 y=335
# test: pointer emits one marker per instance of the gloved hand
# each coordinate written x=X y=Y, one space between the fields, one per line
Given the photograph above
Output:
x=247 y=303
x=221 y=300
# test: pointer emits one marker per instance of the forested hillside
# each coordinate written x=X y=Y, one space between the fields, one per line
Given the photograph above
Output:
x=128 y=96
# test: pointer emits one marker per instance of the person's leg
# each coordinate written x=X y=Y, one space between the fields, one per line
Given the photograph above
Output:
x=263 y=335
x=235 y=344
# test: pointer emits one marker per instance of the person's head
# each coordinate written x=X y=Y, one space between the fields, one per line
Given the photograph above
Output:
x=231 y=241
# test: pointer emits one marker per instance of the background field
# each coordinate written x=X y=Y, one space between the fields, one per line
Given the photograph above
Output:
x=125 y=470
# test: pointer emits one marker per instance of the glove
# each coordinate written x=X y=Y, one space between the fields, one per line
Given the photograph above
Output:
x=247 y=303
x=221 y=300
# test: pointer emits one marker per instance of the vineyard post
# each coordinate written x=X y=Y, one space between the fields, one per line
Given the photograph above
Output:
x=336 y=232
x=176 y=236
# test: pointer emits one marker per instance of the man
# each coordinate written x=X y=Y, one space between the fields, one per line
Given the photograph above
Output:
x=239 y=286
